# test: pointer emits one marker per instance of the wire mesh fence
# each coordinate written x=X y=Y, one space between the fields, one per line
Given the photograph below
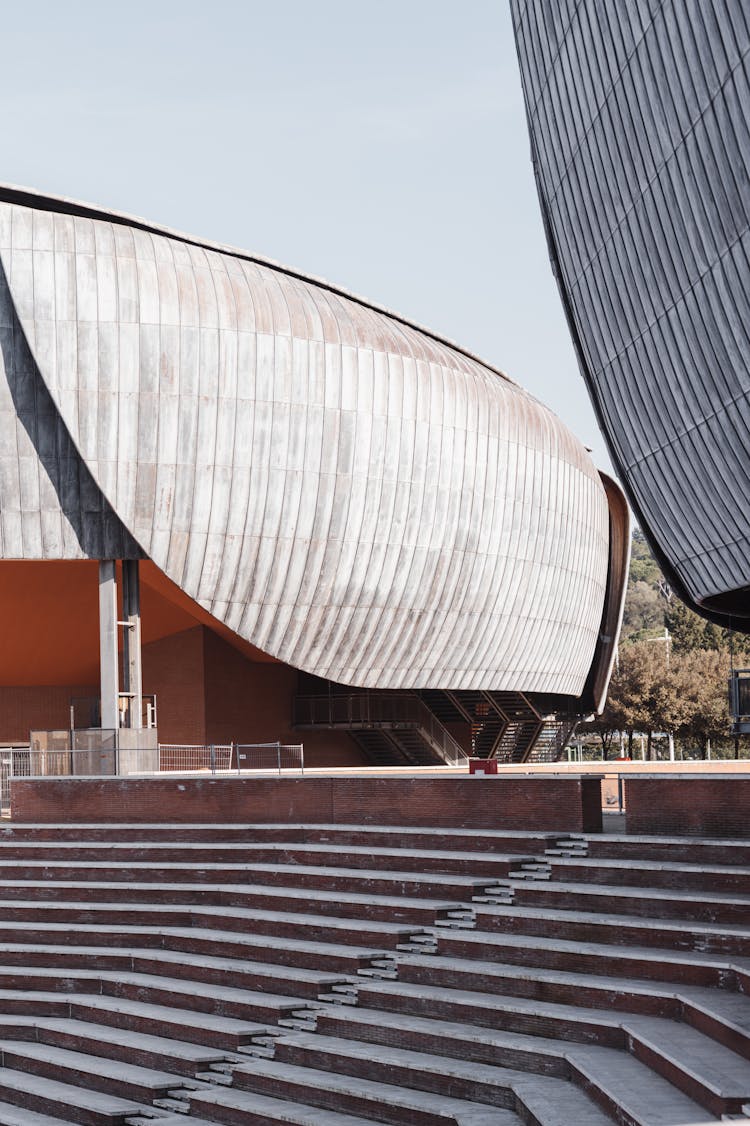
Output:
x=189 y=757
x=271 y=756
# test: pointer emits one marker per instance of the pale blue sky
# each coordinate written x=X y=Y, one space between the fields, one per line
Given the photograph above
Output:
x=381 y=145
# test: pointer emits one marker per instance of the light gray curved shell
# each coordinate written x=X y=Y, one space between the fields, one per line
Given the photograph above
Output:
x=346 y=492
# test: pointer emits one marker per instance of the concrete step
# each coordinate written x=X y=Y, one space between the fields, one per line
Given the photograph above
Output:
x=170 y=1021
x=125 y=858
x=675 y=876
x=196 y=996
x=644 y=963
x=690 y=850
x=619 y=931
x=324 y=956
x=422 y=912
x=273 y=923
x=401 y=1106
x=92 y=1072
x=251 y=1109
x=358 y=881
x=387 y=836
x=655 y=903
x=176 y=1056
x=38 y=964
x=60 y=1100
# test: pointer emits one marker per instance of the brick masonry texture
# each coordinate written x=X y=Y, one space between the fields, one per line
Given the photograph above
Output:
x=564 y=804
x=698 y=806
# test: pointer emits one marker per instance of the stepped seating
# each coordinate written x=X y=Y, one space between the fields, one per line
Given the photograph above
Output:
x=334 y=976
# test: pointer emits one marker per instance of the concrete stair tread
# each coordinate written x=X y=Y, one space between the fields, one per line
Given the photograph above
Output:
x=86 y=1062
x=272 y=1110
x=12 y=833
x=65 y=1094
x=168 y=957
x=165 y=1013
x=104 y=1033
x=442 y=1106
x=652 y=1099
x=308 y=847
x=733 y=1008
x=624 y=892
x=11 y=1115
x=317 y=894
x=556 y=914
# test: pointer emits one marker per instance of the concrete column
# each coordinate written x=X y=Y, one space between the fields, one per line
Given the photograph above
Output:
x=108 y=674
x=131 y=655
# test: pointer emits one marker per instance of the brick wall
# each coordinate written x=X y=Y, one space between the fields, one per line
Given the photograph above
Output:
x=44 y=708
x=698 y=805
x=510 y=802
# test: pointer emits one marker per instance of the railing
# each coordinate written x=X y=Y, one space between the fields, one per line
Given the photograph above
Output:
x=388 y=710
x=23 y=762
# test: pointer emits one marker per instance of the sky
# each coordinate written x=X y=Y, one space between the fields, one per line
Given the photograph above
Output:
x=380 y=144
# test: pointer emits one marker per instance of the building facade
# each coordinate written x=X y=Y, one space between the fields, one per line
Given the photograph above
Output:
x=639 y=116
x=314 y=482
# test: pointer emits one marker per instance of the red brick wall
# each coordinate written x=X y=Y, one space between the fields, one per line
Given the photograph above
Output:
x=43 y=708
x=696 y=805
x=173 y=670
x=530 y=803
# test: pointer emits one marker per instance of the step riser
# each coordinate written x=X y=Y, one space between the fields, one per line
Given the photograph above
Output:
x=671 y=851
x=339 y=962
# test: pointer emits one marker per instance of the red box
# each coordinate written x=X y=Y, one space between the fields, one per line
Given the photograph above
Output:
x=482 y=766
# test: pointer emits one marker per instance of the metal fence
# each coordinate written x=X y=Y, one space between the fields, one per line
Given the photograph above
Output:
x=177 y=758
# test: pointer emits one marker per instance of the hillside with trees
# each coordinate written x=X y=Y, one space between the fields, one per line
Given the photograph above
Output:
x=671 y=675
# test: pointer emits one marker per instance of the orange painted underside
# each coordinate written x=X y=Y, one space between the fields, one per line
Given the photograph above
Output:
x=49 y=620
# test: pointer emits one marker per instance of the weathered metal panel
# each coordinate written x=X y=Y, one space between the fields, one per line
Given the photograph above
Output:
x=348 y=493
x=639 y=117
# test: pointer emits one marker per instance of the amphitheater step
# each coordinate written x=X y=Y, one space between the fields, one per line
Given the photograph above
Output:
x=223 y=882
x=177 y=1056
x=422 y=912
x=689 y=850
x=161 y=1020
x=42 y=968
x=323 y=956
x=655 y=903
x=252 y=1109
x=92 y=1072
x=721 y=971
x=61 y=1100
x=618 y=930
x=384 y=1102
x=652 y=874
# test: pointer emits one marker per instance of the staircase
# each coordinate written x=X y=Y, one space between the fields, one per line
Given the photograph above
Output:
x=337 y=976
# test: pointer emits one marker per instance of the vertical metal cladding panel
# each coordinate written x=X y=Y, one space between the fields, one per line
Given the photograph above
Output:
x=345 y=491
x=639 y=117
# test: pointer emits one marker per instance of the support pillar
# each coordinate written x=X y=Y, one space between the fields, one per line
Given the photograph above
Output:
x=108 y=672
x=131 y=652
